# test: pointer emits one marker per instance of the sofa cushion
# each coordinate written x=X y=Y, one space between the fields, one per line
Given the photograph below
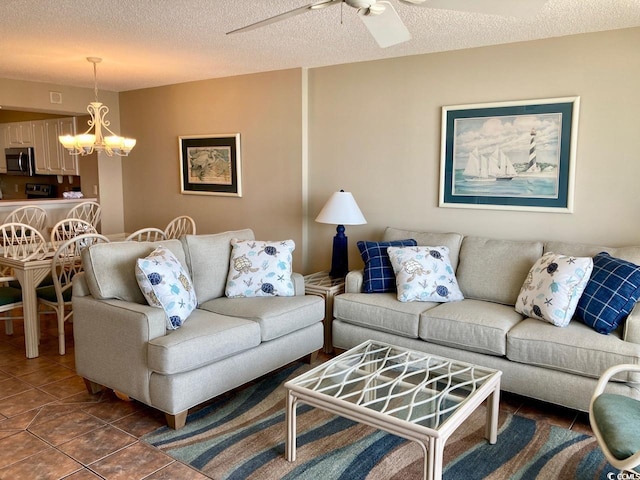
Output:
x=553 y=287
x=576 y=349
x=630 y=254
x=494 y=270
x=110 y=267
x=166 y=284
x=378 y=272
x=206 y=338
x=424 y=274
x=276 y=316
x=260 y=269
x=380 y=311
x=450 y=240
x=611 y=294
x=208 y=259
x=471 y=325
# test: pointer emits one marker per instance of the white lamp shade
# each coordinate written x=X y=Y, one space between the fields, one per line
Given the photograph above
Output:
x=341 y=209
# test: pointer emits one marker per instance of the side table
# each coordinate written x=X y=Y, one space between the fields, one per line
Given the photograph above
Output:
x=322 y=284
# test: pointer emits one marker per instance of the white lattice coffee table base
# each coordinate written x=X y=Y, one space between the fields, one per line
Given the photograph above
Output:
x=416 y=396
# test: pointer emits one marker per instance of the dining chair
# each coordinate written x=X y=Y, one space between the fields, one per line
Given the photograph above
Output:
x=180 y=226
x=68 y=228
x=20 y=241
x=30 y=215
x=149 y=234
x=88 y=211
x=65 y=264
x=615 y=421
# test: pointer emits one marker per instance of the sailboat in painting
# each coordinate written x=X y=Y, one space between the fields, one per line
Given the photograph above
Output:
x=500 y=166
x=477 y=169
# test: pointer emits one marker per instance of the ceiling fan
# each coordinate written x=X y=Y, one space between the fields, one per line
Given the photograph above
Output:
x=386 y=26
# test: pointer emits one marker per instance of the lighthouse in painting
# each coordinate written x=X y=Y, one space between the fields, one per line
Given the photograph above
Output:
x=532 y=166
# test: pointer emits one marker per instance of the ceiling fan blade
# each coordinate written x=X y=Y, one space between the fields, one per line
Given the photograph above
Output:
x=285 y=15
x=507 y=8
x=386 y=27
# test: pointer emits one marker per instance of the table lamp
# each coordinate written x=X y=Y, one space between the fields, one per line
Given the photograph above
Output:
x=341 y=209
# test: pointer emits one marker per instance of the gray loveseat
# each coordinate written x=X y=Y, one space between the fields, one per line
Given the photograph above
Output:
x=122 y=343
x=539 y=360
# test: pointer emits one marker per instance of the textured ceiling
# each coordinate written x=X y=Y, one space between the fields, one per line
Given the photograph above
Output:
x=147 y=43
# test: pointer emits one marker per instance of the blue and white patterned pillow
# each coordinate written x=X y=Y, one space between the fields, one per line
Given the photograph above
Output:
x=378 y=272
x=165 y=284
x=424 y=274
x=553 y=287
x=260 y=269
x=611 y=294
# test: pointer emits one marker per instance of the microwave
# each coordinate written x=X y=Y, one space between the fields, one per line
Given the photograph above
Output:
x=20 y=161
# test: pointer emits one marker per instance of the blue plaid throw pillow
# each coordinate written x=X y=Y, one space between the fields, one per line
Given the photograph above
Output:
x=378 y=272
x=610 y=294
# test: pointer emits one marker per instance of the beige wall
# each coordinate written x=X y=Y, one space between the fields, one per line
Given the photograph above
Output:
x=264 y=108
x=375 y=131
x=34 y=97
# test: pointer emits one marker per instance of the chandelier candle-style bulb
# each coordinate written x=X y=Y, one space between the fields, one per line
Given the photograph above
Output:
x=87 y=142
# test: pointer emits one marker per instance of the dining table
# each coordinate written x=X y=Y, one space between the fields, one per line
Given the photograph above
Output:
x=30 y=273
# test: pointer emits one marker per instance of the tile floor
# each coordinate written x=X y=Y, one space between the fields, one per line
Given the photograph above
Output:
x=51 y=428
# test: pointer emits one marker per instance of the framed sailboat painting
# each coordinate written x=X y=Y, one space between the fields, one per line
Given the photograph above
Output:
x=517 y=155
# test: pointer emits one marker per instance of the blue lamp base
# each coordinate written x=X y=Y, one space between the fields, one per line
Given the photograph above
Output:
x=340 y=257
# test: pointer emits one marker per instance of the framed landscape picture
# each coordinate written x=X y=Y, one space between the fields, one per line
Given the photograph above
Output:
x=210 y=165
x=511 y=155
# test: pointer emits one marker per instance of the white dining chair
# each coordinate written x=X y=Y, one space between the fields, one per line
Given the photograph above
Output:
x=88 y=211
x=67 y=228
x=149 y=234
x=65 y=264
x=29 y=215
x=19 y=241
x=180 y=226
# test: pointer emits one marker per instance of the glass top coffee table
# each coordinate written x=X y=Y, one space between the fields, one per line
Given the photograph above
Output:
x=417 y=396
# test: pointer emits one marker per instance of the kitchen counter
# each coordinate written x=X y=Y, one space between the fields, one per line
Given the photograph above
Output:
x=56 y=208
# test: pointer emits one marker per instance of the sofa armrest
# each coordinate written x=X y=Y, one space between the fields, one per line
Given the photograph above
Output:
x=353 y=281
x=632 y=326
x=111 y=340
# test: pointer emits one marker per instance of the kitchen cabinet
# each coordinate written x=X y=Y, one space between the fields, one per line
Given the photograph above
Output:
x=18 y=134
x=51 y=158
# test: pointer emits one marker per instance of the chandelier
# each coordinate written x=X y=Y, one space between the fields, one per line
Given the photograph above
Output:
x=88 y=142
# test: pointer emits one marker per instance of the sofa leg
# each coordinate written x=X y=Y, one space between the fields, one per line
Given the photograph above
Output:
x=312 y=357
x=92 y=387
x=176 y=421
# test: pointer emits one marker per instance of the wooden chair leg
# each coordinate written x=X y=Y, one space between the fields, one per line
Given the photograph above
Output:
x=312 y=357
x=92 y=387
x=176 y=421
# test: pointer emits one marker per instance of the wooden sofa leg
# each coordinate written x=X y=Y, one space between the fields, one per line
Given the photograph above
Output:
x=92 y=387
x=176 y=421
x=312 y=357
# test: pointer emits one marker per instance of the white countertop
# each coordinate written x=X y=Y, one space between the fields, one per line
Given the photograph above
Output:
x=43 y=202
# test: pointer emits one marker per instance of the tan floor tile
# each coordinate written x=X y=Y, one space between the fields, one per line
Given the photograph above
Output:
x=65 y=388
x=135 y=461
x=21 y=365
x=49 y=374
x=112 y=408
x=17 y=447
x=97 y=444
x=142 y=422
x=177 y=470
x=47 y=465
x=4 y=376
x=19 y=422
x=13 y=386
x=62 y=429
x=84 y=474
x=24 y=402
x=51 y=411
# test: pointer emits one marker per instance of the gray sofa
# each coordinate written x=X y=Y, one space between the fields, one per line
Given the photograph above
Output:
x=122 y=343
x=539 y=360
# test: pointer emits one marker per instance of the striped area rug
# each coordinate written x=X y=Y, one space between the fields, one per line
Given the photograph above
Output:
x=241 y=436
